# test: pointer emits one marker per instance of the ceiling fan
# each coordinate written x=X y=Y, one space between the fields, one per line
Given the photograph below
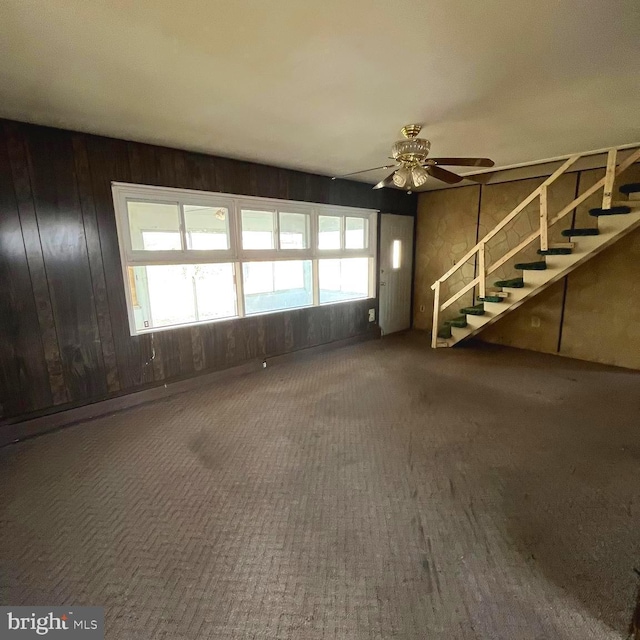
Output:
x=413 y=166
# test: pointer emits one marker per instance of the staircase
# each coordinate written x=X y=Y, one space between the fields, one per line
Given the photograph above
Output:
x=611 y=221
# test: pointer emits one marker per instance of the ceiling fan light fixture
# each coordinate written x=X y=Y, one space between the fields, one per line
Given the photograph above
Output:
x=413 y=166
x=419 y=176
x=401 y=177
x=411 y=150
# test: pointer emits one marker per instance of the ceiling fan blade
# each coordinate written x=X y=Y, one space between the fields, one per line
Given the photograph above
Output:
x=386 y=182
x=354 y=173
x=481 y=178
x=462 y=162
x=442 y=174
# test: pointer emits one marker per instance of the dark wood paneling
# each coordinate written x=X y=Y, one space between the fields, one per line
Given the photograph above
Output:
x=274 y=334
x=197 y=349
x=96 y=267
x=109 y=161
x=24 y=379
x=64 y=251
x=63 y=308
x=39 y=285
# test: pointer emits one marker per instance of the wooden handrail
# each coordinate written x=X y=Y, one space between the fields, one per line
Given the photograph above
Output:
x=460 y=293
x=540 y=191
x=570 y=207
x=528 y=200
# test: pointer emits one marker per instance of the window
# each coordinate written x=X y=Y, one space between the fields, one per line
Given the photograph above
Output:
x=294 y=230
x=207 y=228
x=329 y=232
x=154 y=226
x=190 y=257
x=356 y=234
x=343 y=279
x=258 y=229
x=170 y=295
x=270 y=286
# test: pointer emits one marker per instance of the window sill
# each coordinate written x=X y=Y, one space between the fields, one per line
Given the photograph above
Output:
x=193 y=325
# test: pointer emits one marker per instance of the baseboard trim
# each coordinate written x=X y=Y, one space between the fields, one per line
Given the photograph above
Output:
x=15 y=432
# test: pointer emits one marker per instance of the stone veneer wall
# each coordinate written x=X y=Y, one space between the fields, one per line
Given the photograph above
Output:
x=592 y=314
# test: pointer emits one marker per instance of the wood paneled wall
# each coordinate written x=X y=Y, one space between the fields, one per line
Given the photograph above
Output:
x=64 y=335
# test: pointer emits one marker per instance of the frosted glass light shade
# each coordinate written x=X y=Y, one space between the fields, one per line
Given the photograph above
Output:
x=401 y=177
x=419 y=176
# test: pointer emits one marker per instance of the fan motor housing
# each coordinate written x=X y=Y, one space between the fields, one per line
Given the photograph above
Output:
x=411 y=151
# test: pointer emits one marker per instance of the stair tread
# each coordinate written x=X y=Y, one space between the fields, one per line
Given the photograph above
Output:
x=554 y=251
x=444 y=332
x=632 y=187
x=580 y=231
x=475 y=310
x=460 y=322
x=539 y=265
x=511 y=283
x=611 y=211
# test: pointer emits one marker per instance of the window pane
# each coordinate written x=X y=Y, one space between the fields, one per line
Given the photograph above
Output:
x=207 y=227
x=257 y=229
x=257 y=277
x=294 y=231
x=356 y=233
x=396 y=255
x=288 y=275
x=215 y=291
x=328 y=232
x=343 y=279
x=154 y=226
x=269 y=286
x=165 y=295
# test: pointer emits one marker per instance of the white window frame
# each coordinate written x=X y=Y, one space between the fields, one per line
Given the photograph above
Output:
x=123 y=192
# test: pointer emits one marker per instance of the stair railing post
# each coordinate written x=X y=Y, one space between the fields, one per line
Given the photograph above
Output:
x=482 y=271
x=544 y=212
x=609 y=179
x=436 y=315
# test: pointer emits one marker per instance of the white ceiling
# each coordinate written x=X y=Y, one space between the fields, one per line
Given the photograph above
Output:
x=325 y=86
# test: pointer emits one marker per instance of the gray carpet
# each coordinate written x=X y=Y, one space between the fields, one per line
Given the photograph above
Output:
x=383 y=490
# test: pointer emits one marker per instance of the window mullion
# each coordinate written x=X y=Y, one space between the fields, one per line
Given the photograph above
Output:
x=238 y=275
x=183 y=228
x=315 y=274
x=276 y=230
x=237 y=230
x=313 y=233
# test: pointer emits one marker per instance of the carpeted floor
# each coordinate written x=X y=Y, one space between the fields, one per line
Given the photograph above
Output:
x=383 y=490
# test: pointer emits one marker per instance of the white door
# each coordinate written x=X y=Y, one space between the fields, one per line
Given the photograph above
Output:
x=396 y=267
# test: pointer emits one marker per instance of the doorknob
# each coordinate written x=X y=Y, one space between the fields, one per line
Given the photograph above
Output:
x=383 y=284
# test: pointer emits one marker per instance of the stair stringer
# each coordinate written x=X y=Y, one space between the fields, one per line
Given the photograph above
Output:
x=611 y=228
